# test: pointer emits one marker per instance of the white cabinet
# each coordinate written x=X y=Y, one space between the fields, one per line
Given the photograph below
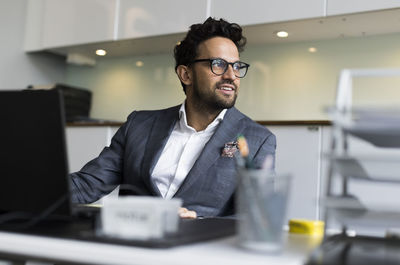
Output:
x=337 y=7
x=66 y=26
x=57 y=23
x=77 y=22
x=266 y=11
x=85 y=143
x=299 y=149
x=143 y=18
x=34 y=25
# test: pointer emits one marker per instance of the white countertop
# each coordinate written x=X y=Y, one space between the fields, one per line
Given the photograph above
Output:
x=223 y=251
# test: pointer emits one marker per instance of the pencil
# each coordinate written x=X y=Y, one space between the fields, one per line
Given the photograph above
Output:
x=244 y=160
x=243 y=146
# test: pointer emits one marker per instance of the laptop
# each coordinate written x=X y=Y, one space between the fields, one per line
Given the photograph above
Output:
x=34 y=181
x=33 y=153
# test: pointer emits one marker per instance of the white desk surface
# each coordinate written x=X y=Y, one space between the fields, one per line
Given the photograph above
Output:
x=223 y=251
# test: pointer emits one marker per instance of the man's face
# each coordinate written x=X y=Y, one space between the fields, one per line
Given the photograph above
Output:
x=215 y=92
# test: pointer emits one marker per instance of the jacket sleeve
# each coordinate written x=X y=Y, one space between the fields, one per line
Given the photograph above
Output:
x=103 y=174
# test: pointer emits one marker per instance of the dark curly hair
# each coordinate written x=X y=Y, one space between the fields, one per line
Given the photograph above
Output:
x=186 y=51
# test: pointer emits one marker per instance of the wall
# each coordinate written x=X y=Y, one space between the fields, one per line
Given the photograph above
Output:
x=17 y=69
x=285 y=81
x=120 y=86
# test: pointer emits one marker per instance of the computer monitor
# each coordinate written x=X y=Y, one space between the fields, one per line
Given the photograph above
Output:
x=33 y=156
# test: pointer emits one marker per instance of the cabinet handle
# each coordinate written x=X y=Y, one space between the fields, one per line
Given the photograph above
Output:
x=313 y=128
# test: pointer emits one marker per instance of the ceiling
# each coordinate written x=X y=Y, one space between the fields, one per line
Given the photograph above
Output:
x=334 y=27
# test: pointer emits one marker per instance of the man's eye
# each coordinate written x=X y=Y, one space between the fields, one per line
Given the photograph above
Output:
x=219 y=63
x=238 y=66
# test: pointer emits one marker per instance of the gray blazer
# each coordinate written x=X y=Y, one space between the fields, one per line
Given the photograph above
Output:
x=209 y=186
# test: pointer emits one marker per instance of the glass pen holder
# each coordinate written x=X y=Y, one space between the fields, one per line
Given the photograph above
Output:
x=262 y=200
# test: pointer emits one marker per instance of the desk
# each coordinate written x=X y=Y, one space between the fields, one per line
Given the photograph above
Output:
x=223 y=251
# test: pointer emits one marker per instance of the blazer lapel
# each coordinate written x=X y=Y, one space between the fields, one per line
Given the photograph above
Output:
x=227 y=131
x=162 y=127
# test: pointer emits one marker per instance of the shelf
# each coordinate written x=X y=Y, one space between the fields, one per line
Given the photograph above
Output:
x=350 y=211
x=371 y=168
x=380 y=127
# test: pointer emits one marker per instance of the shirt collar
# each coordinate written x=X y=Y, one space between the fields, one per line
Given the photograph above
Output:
x=212 y=126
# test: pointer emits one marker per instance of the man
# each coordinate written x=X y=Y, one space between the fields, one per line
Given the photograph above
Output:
x=185 y=151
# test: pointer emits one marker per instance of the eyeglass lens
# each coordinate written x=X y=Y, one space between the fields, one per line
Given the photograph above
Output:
x=219 y=67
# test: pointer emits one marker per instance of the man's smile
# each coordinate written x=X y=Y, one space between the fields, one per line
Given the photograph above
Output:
x=226 y=88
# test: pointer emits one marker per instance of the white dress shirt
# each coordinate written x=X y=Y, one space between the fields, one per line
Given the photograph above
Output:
x=180 y=153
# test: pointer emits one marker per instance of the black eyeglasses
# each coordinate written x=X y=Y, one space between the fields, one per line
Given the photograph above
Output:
x=219 y=66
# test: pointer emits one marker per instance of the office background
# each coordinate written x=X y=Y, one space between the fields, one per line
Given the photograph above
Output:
x=17 y=68
x=285 y=82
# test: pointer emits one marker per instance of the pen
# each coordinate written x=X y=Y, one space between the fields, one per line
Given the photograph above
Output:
x=243 y=160
x=251 y=201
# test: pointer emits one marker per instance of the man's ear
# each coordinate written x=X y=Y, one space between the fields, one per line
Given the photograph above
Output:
x=185 y=74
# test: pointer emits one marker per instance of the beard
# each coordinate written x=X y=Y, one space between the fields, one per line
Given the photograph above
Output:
x=210 y=100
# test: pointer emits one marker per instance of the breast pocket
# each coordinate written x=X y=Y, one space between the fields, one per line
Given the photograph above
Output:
x=224 y=177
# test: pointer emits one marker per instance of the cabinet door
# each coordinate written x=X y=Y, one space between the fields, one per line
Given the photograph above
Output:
x=86 y=143
x=77 y=22
x=337 y=7
x=266 y=11
x=298 y=153
x=143 y=18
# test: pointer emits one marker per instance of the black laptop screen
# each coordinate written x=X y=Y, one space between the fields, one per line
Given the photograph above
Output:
x=33 y=161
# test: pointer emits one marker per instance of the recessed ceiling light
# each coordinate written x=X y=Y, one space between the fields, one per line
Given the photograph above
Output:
x=282 y=34
x=101 y=52
x=312 y=49
x=139 y=63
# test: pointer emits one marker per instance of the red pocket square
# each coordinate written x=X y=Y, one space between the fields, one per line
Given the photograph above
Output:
x=229 y=149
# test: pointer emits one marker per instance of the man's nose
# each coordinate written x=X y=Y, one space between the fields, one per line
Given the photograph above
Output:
x=229 y=73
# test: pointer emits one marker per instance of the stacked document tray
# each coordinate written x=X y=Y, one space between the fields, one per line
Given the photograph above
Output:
x=381 y=128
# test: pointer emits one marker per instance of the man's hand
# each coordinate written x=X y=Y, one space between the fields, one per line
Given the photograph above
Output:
x=187 y=214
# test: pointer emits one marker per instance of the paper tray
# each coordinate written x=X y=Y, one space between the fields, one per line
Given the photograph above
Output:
x=375 y=168
x=380 y=127
x=350 y=211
